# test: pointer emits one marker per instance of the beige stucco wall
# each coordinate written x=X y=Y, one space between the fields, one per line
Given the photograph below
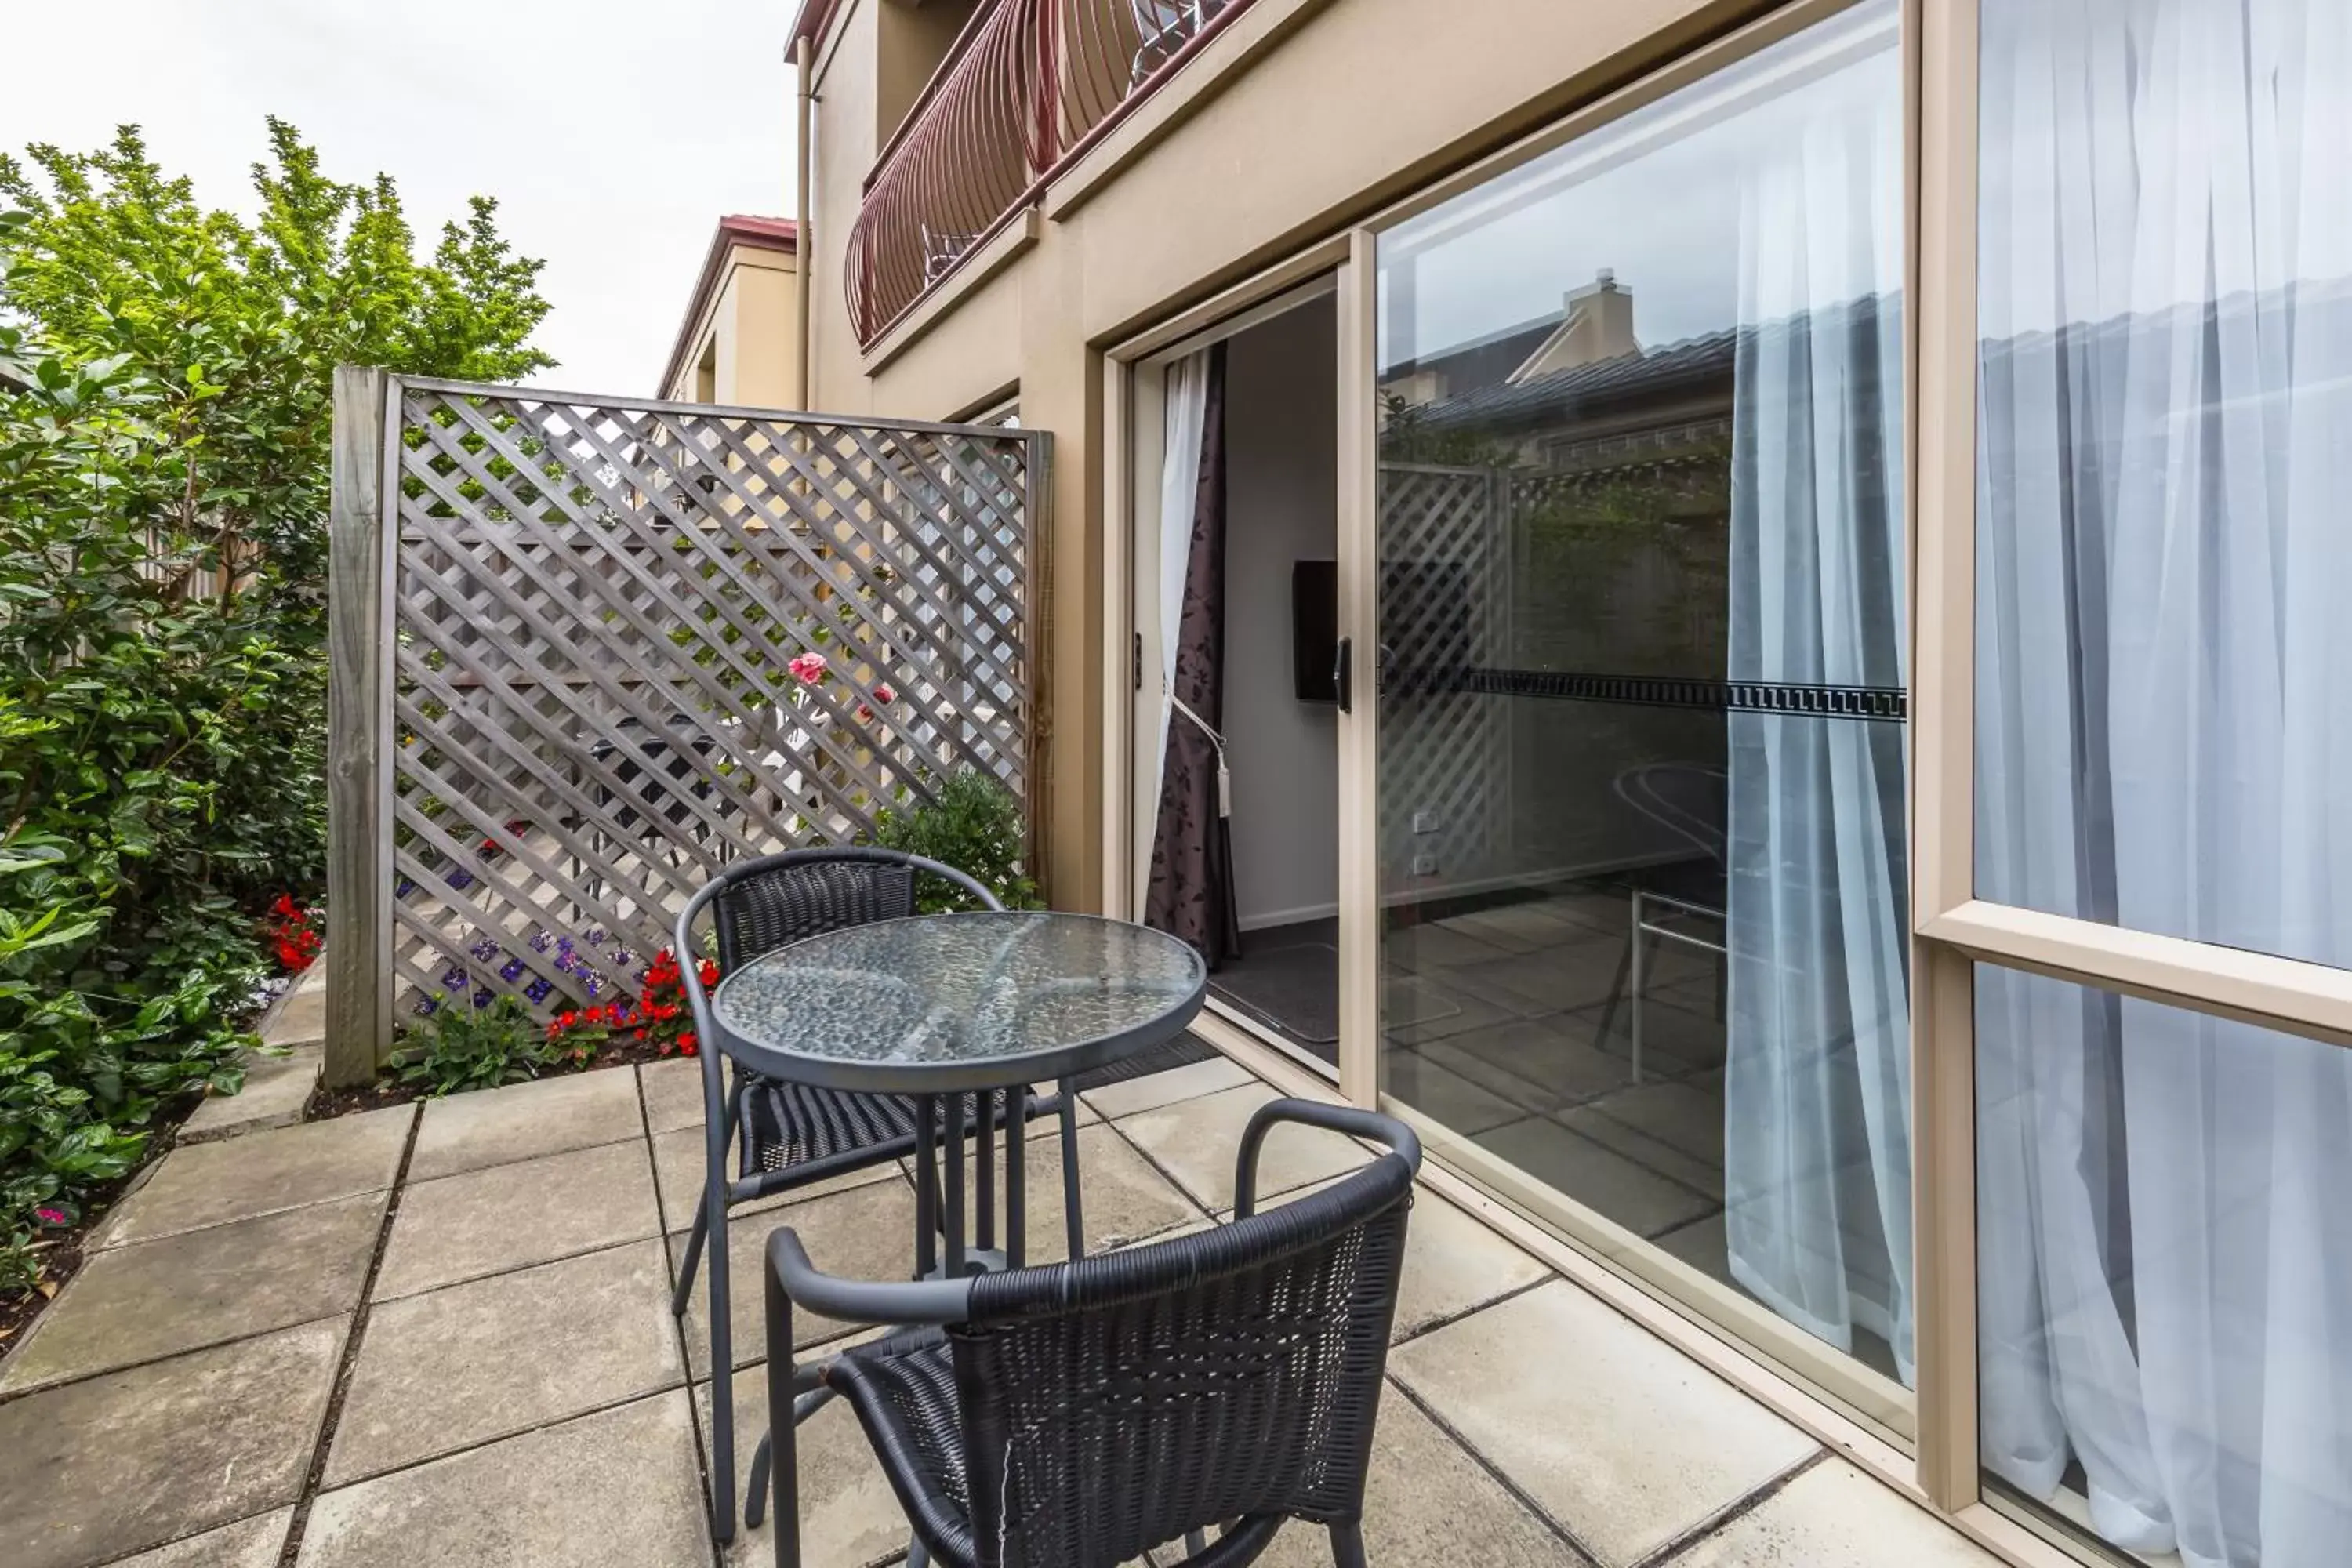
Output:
x=752 y=324
x=1357 y=104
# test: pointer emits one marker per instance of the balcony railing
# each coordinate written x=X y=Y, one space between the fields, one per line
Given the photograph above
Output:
x=1028 y=84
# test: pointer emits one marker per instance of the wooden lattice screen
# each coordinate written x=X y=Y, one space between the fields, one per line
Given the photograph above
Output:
x=589 y=651
x=1445 y=597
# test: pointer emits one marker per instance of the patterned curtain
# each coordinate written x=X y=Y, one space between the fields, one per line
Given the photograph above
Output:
x=1191 y=889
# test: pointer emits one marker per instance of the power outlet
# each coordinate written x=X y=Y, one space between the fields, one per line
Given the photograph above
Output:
x=1424 y=821
x=1424 y=864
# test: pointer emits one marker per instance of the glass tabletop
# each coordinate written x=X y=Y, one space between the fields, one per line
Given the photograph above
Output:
x=944 y=1003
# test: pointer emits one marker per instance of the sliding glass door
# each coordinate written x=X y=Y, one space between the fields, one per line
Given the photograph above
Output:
x=1642 y=880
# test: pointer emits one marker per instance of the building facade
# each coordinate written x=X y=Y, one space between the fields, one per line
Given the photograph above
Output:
x=1737 y=609
x=739 y=344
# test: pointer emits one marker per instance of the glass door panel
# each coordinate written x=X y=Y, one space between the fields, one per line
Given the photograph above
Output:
x=1641 y=790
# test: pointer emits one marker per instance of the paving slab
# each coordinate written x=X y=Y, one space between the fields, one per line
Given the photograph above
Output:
x=117 y=1464
x=1153 y=1090
x=1443 y=1095
x=493 y=1357
x=510 y=1216
x=866 y=1232
x=524 y=1120
x=264 y=1172
x=253 y=1542
x=1428 y=1504
x=1643 y=1198
x=1617 y=1435
x=673 y=1093
x=1121 y=1198
x=679 y=1160
x=849 y=1516
x=1833 y=1516
x=202 y=1288
x=1453 y=1262
x=619 y=1487
x=276 y=1090
x=1196 y=1141
x=300 y=1017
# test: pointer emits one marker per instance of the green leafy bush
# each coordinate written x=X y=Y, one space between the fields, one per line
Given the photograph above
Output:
x=973 y=824
x=165 y=419
x=458 y=1046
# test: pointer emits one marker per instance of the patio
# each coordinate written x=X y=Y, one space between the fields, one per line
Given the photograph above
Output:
x=441 y=1335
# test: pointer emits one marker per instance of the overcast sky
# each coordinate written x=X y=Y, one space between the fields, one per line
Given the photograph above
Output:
x=612 y=134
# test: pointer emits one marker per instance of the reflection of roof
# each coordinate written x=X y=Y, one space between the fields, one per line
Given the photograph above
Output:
x=1482 y=359
x=1695 y=364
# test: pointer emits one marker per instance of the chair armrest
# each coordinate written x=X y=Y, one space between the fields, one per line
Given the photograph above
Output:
x=1385 y=1130
x=862 y=1300
x=698 y=1002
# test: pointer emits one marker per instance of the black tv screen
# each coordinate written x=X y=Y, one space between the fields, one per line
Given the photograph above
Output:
x=1314 y=629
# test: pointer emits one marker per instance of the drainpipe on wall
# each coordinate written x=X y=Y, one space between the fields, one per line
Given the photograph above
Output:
x=803 y=253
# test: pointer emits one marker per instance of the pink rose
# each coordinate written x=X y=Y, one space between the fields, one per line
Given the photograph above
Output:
x=50 y=1216
x=809 y=667
x=882 y=694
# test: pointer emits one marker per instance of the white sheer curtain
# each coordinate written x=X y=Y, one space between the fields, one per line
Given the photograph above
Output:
x=1186 y=402
x=2165 y=742
x=1817 y=1075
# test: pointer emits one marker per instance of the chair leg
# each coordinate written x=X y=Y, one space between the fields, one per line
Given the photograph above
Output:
x=700 y=1234
x=755 y=1494
x=1348 y=1545
x=917 y=1555
x=783 y=1442
x=722 y=1362
x=1073 y=1218
x=1195 y=1542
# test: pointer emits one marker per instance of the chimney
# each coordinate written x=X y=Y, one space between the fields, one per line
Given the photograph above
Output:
x=1596 y=323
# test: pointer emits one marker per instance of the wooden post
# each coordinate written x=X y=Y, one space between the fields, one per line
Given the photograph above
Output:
x=359 y=741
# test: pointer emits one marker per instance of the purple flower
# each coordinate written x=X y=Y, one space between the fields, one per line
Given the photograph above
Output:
x=426 y=1006
x=540 y=940
x=460 y=879
x=453 y=978
x=592 y=981
x=484 y=997
x=402 y=887
x=512 y=970
x=622 y=955
x=538 y=989
x=486 y=950
x=596 y=936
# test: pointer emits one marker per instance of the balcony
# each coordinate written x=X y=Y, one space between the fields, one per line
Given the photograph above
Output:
x=1028 y=84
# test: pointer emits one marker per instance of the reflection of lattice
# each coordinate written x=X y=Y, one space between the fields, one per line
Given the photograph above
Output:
x=1444 y=605
x=597 y=609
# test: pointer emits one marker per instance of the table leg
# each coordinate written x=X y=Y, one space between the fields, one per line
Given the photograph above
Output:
x=1016 y=1178
x=953 y=1156
x=927 y=1214
x=1073 y=1219
x=984 y=1174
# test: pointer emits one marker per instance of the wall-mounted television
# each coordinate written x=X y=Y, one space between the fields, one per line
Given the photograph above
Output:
x=1314 y=629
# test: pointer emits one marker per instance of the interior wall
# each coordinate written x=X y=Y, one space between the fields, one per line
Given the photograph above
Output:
x=1281 y=506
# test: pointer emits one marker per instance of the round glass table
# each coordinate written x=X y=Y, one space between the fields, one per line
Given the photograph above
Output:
x=951 y=1010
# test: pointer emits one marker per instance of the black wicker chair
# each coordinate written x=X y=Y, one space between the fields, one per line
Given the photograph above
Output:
x=791 y=1134
x=1076 y=1415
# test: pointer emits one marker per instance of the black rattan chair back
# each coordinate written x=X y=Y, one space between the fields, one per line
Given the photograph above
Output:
x=798 y=898
x=1115 y=1403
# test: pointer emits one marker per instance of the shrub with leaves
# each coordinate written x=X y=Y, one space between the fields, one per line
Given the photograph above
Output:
x=455 y=1047
x=165 y=419
x=973 y=824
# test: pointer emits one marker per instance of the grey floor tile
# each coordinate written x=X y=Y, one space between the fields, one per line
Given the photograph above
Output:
x=510 y=1216
x=1619 y=1437
x=1438 y=1009
x=202 y=1288
x=524 y=1120
x=264 y=1172
x=1575 y=973
x=1422 y=1082
x=1121 y=1198
x=866 y=1232
x=1833 y=1516
x=1153 y=1090
x=1675 y=1040
x=1427 y=949
x=1428 y=1504
x=680 y=1164
x=849 y=1516
x=1452 y=1263
x=277 y=1090
x=493 y=1357
x=1684 y=1115
x=1642 y=1199
x=1702 y=1245
x=1529 y=926
x=253 y=1542
x=130 y=1460
x=1546 y=1063
x=1593 y=1122
x=673 y=1093
x=1197 y=1142
x=620 y=1486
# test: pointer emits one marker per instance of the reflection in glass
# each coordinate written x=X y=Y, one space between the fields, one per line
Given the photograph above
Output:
x=1642 y=626
x=2165 y=1273
x=2164 y=679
